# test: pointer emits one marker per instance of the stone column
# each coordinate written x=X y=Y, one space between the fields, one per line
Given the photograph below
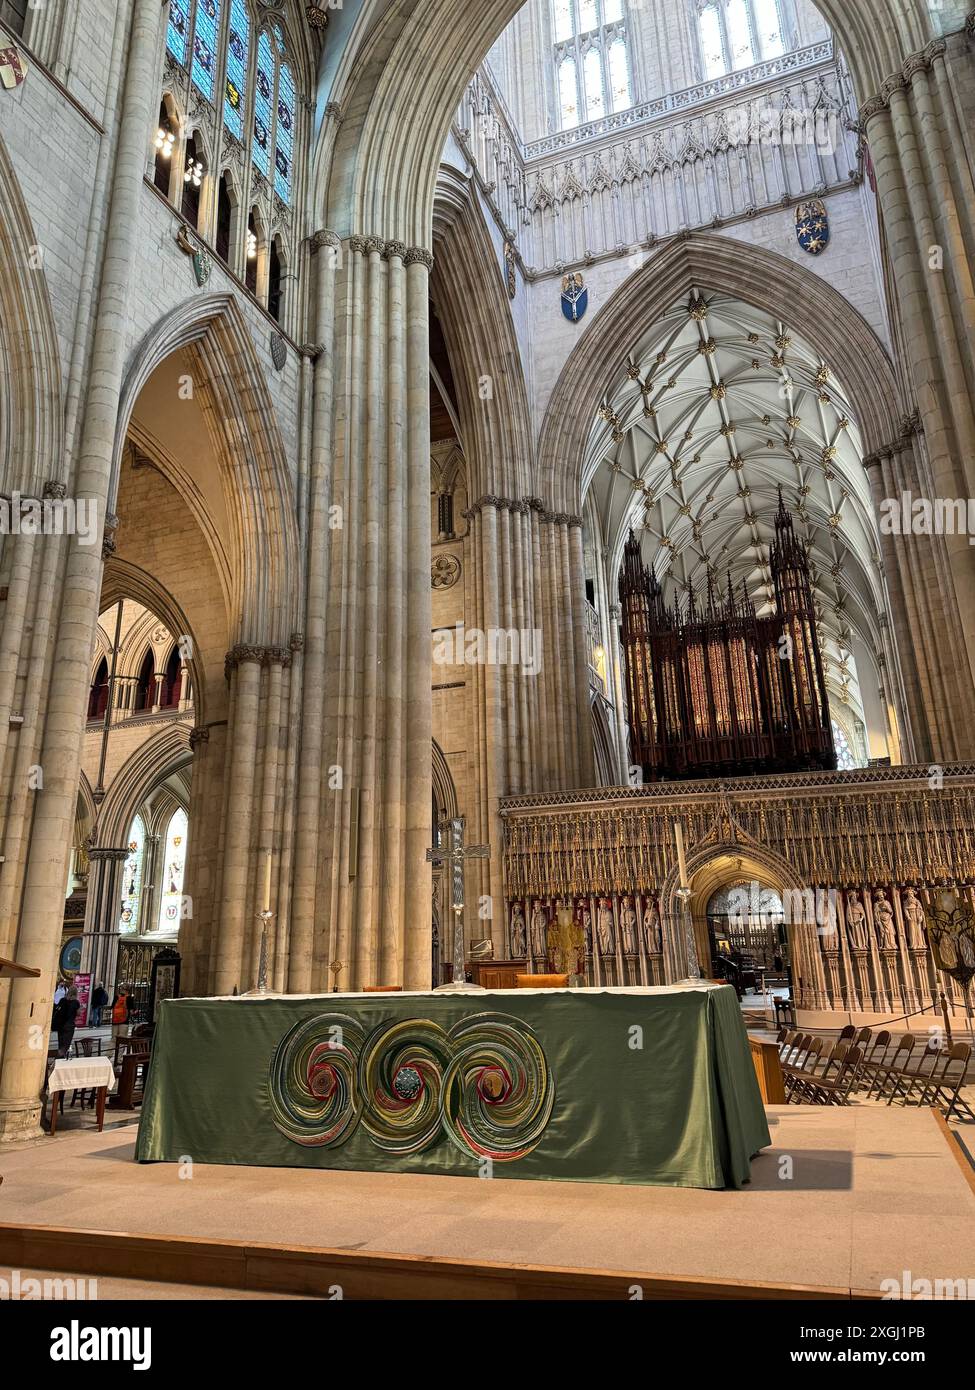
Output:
x=23 y=1063
x=99 y=953
x=918 y=143
x=378 y=710
x=312 y=781
x=228 y=948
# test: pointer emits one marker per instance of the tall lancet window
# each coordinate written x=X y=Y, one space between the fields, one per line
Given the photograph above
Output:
x=206 y=38
x=243 y=140
x=736 y=34
x=592 y=60
x=238 y=45
x=171 y=872
x=132 y=875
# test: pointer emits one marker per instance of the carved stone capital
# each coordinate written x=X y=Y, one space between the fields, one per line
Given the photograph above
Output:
x=241 y=653
x=397 y=249
x=871 y=108
x=198 y=736
x=417 y=255
x=55 y=491
x=359 y=244
x=325 y=238
x=297 y=643
x=374 y=245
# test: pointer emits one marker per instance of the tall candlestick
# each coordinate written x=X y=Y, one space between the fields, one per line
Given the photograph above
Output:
x=681 y=861
x=267 y=883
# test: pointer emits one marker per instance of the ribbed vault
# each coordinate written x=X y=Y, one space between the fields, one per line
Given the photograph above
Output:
x=720 y=406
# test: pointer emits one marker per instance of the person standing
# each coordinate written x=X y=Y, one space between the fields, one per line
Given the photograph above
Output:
x=98 y=1001
x=65 y=1014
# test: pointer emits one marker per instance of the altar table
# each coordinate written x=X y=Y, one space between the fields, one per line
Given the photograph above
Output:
x=652 y=1086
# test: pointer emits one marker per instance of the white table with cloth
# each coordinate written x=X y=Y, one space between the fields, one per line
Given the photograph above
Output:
x=81 y=1074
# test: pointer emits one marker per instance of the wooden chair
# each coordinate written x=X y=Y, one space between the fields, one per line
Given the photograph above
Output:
x=802 y=1090
x=798 y=1048
x=810 y=1060
x=838 y=1089
x=877 y=1052
x=862 y=1038
x=541 y=982
x=947 y=1091
x=85 y=1047
x=879 y=1071
x=905 y=1078
x=848 y=1034
x=782 y=1035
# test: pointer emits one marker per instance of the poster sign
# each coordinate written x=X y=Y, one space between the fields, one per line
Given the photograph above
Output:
x=82 y=983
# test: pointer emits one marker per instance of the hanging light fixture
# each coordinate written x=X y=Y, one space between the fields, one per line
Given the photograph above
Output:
x=194 y=173
x=165 y=140
x=251 y=246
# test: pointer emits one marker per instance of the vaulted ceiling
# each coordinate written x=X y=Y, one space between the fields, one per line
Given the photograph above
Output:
x=718 y=406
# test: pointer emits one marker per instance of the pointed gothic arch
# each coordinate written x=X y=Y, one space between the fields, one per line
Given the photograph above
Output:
x=31 y=394
x=264 y=548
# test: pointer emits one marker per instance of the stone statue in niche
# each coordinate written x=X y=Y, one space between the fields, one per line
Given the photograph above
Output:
x=883 y=916
x=604 y=927
x=539 y=931
x=856 y=923
x=629 y=927
x=519 y=933
x=651 y=929
x=585 y=918
x=914 y=918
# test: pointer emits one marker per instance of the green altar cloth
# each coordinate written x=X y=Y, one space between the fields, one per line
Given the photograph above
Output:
x=651 y=1086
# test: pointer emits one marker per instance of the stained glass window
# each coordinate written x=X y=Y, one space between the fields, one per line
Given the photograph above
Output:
x=592 y=69
x=132 y=877
x=845 y=757
x=591 y=60
x=565 y=25
x=264 y=105
x=206 y=41
x=171 y=872
x=285 y=133
x=238 y=45
x=739 y=34
x=568 y=93
x=619 y=75
x=588 y=19
x=768 y=26
x=714 y=59
x=178 y=29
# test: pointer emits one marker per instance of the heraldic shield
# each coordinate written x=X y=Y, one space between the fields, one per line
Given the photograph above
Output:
x=812 y=226
x=575 y=297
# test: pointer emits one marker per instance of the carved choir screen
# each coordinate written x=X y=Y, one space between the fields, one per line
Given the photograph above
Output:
x=719 y=690
x=865 y=856
x=606 y=939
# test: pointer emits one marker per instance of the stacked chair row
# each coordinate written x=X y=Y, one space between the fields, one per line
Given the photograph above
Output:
x=915 y=1072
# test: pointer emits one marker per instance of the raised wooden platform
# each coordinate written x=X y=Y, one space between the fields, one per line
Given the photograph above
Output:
x=844 y=1199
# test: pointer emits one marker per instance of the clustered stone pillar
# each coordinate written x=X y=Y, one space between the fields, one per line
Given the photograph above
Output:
x=367 y=865
x=530 y=696
x=102 y=907
x=75 y=571
x=924 y=618
x=915 y=127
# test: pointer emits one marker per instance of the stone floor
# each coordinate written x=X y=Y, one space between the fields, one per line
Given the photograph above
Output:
x=844 y=1198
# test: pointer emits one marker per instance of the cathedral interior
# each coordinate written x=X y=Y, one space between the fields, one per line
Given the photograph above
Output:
x=486 y=489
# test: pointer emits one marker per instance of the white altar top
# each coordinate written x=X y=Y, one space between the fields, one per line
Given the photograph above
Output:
x=681 y=987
